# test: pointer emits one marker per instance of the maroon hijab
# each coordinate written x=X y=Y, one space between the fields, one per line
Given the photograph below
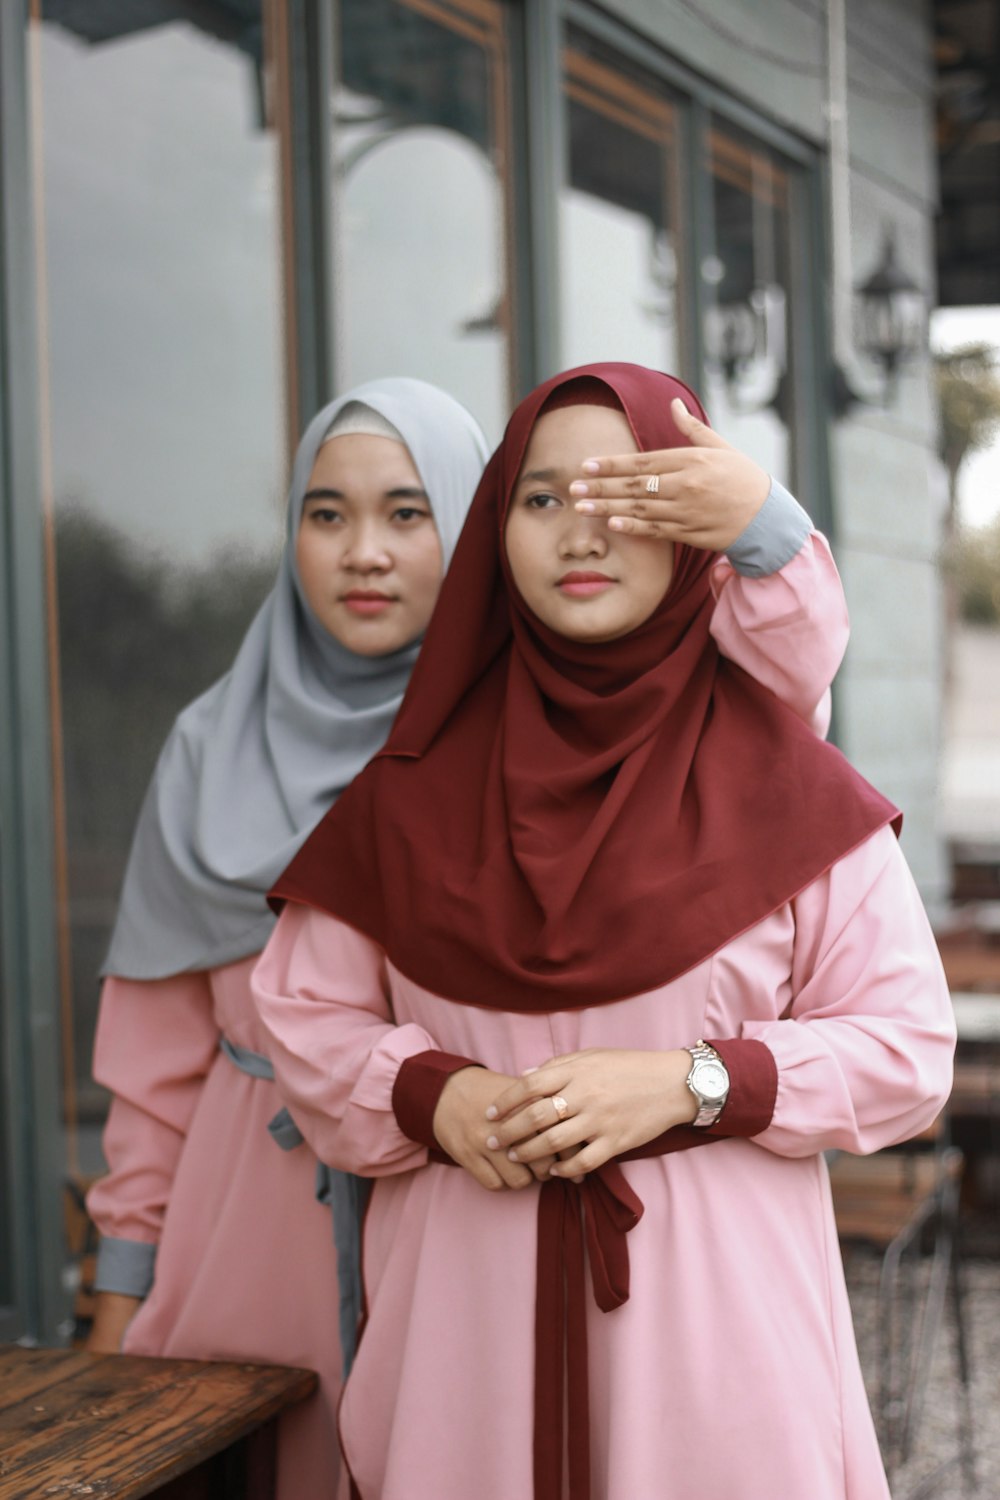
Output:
x=555 y=824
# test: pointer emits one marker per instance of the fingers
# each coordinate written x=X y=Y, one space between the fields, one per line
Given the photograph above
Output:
x=539 y=1115
x=662 y=507
x=495 y=1171
x=693 y=428
x=593 y=1155
x=485 y=1173
x=540 y=1169
x=633 y=469
x=629 y=526
x=540 y=1083
x=513 y=1174
x=626 y=463
x=627 y=474
x=562 y=1137
x=633 y=486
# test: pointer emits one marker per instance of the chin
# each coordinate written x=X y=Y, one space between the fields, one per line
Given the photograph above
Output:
x=383 y=645
x=590 y=632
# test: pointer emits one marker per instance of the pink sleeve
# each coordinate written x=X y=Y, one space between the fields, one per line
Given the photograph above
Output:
x=788 y=630
x=864 y=1057
x=156 y=1040
x=323 y=996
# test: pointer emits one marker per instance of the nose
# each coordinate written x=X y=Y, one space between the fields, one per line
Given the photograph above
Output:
x=367 y=551
x=583 y=536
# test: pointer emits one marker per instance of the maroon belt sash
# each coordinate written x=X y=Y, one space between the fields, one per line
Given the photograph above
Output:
x=595 y=1215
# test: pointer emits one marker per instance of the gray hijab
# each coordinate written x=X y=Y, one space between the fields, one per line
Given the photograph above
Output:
x=252 y=765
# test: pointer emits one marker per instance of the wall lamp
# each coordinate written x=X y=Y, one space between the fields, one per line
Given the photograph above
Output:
x=890 y=327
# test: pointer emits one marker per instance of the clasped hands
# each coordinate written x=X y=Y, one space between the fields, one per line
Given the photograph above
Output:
x=506 y=1132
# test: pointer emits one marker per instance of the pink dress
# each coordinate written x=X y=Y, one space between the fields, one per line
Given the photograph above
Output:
x=731 y=1372
x=246 y=1266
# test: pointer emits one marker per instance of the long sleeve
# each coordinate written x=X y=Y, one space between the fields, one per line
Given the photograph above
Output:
x=864 y=1052
x=337 y=1056
x=156 y=1040
x=787 y=629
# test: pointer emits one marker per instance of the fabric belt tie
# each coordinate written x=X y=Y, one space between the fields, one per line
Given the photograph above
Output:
x=345 y=1195
x=283 y=1129
x=599 y=1212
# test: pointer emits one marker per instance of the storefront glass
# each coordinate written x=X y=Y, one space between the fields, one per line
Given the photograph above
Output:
x=420 y=156
x=618 y=215
x=163 y=404
x=747 y=297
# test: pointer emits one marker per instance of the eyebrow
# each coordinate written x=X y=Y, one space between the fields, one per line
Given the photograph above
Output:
x=400 y=492
x=546 y=476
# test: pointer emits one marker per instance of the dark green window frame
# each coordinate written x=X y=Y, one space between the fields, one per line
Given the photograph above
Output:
x=33 y=1301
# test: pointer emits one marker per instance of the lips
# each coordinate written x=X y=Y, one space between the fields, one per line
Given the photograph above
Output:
x=367 y=601
x=584 y=585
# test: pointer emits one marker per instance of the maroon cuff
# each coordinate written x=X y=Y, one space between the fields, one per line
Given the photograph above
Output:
x=416 y=1092
x=753 y=1087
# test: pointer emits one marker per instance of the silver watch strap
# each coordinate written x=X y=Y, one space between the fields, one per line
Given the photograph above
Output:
x=709 y=1110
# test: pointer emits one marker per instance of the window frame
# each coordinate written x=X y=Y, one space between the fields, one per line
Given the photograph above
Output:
x=35 y=1303
x=508 y=32
x=697 y=101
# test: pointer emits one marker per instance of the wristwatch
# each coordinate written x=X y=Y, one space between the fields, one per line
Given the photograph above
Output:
x=708 y=1081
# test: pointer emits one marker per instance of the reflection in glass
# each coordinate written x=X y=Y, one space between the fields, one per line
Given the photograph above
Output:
x=745 y=279
x=165 y=395
x=419 y=208
x=618 y=235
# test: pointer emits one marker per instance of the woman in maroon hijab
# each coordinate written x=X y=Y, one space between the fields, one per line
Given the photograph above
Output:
x=590 y=843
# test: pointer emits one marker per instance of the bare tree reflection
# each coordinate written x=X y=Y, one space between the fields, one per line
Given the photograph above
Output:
x=138 y=638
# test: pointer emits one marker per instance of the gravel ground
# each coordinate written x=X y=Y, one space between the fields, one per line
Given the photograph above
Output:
x=936 y=1441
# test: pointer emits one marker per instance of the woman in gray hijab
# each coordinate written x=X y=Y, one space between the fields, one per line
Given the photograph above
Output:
x=212 y=1243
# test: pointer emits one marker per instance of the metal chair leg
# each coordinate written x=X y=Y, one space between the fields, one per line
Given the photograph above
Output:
x=966 y=1430
x=930 y=1324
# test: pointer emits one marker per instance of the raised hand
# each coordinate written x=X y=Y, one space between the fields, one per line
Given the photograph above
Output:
x=705 y=495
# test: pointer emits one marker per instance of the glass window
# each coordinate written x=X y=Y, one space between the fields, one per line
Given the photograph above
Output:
x=420 y=192
x=747 y=388
x=618 y=224
x=160 y=233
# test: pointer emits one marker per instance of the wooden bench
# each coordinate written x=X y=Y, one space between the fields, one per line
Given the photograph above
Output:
x=113 y=1427
x=976 y=1089
x=877 y=1196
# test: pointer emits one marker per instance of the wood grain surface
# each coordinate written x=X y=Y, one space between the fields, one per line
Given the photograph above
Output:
x=97 y=1425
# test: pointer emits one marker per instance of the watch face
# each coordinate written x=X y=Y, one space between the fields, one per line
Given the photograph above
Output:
x=711 y=1080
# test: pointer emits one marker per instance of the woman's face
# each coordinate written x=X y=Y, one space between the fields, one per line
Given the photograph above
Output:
x=579 y=578
x=368 y=552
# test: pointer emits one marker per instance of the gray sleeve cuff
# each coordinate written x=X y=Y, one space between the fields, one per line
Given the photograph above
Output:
x=775 y=535
x=125 y=1266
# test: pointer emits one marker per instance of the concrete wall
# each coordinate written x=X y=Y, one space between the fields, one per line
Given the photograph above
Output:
x=887 y=503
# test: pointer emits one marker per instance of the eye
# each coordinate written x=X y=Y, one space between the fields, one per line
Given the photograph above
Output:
x=324 y=515
x=406 y=515
x=542 y=501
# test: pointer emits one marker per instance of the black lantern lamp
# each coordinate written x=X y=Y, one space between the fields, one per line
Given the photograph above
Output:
x=890 y=316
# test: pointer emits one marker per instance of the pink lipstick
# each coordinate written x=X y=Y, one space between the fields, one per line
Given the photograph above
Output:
x=584 y=585
x=367 y=601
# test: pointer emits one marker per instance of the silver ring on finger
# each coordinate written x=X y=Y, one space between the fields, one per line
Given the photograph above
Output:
x=653 y=484
x=559 y=1105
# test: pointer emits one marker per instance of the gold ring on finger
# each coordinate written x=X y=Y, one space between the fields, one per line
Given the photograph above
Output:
x=653 y=484
x=559 y=1105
